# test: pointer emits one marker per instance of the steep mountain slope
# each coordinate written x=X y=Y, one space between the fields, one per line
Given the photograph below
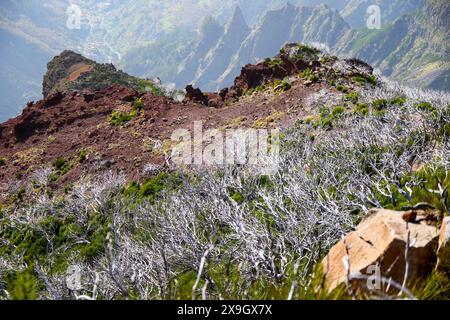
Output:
x=413 y=50
x=219 y=56
x=154 y=38
x=355 y=11
x=88 y=182
x=82 y=113
x=287 y=24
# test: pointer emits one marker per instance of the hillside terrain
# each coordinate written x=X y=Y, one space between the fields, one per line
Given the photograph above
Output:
x=89 y=185
x=159 y=39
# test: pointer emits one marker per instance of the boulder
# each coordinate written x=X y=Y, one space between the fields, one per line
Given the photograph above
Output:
x=196 y=95
x=443 y=252
x=380 y=241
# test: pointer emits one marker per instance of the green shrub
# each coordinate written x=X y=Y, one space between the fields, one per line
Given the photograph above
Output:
x=305 y=73
x=379 y=106
x=342 y=88
x=425 y=106
x=82 y=155
x=25 y=286
x=337 y=111
x=62 y=165
x=398 y=101
x=274 y=63
x=19 y=175
x=119 y=118
x=362 y=109
x=2 y=162
x=281 y=85
x=314 y=78
x=352 y=96
x=362 y=79
x=152 y=187
x=138 y=104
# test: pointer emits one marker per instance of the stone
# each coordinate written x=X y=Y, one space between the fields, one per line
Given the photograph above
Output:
x=443 y=252
x=380 y=241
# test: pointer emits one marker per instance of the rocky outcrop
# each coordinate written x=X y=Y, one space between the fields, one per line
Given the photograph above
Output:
x=71 y=71
x=443 y=253
x=59 y=68
x=380 y=241
x=196 y=95
x=293 y=58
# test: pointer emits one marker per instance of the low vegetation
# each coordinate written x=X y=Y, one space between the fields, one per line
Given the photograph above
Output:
x=232 y=232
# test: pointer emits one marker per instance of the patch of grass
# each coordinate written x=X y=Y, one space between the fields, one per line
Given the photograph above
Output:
x=19 y=175
x=379 y=106
x=148 y=86
x=257 y=89
x=435 y=287
x=119 y=118
x=153 y=187
x=398 y=101
x=337 y=111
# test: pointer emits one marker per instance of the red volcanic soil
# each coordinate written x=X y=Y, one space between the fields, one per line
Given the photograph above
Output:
x=63 y=124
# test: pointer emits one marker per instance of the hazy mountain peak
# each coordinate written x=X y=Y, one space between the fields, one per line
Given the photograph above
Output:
x=237 y=18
